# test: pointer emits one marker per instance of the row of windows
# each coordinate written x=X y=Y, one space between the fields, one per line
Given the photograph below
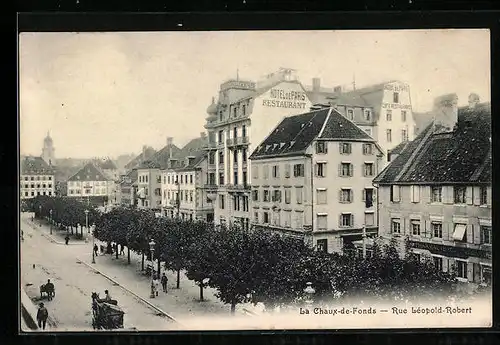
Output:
x=367 y=114
x=32 y=193
x=240 y=203
x=220 y=135
x=37 y=178
x=88 y=191
x=320 y=170
x=436 y=230
x=236 y=110
x=404 y=135
x=283 y=219
x=436 y=194
x=275 y=195
x=184 y=195
x=388 y=115
x=38 y=185
x=79 y=183
x=344 y=148
x=236 y=180
x=184 y=179
x=244 y=156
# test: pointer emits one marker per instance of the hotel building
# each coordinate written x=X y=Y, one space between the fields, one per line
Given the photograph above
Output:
x=37 y=178
x=243 y=115
x=437 y=192
x=91 y=182
x=312 y=178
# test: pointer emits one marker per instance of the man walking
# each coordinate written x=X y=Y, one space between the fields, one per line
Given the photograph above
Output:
x=164 y=281
x=96 y=250
x=41 y=316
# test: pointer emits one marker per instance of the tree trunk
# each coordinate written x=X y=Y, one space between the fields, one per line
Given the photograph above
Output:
x=178 y=278
x=201 y=292
x=116 y=251
x=142 y=263
x=233 y=308
x=159 y=268
x=128 y=255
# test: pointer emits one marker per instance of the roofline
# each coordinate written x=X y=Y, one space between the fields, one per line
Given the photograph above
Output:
x=427 y=183
x=277 y=155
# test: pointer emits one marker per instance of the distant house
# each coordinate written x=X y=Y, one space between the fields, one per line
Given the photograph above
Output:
x=37 y=178
x=90 y=181
x=147 y=153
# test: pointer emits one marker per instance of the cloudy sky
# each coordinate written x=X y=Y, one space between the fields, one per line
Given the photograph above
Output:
x=104 y=94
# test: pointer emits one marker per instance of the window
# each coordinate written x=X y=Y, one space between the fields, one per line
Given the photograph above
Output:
x=276 y=196
x=486 y=274
x=235 y=130
x=346 y=169
x=369 y=219
x=32 y=185
x=244 y=155
x=243 y=109
x=287 y=170
x=235 y=112
x=26 y=186
x=321 y=147
x=298 y=194
x=368 y=169
x=459 y=232
x=437 y=229
x=321 y=169
x=211 y=178
x=211 y=158
x=220 y=115
x=256 y=217
x=265 y=195
x=38 y=185
x=191 y=196
x=459 y=194
x=389 y=135
x=436 y=194
x=221 y=135
x=388 y=115
x=32 y=193
x=345 y=195
x=221 y=178
x=244 y=173
x=236 y=203
x=403 y=115
x=395 y=193
x=346 y=220
x=483 y=195
x=395 y=225
x=182 y=178
x=255 y=195
x=345 y=148
x=235 y=175
x=322 y=245
x=221 y=202
x=288 y=195
x=415 y=227
x=298 y=170
x=276 y=171
x=367 y=149
x=485 y=234
x=321 y=196
x=438 y=263
x=368 y=114
x=244 y=129
x=461 y=269
x=368 y=196
x=288 y=219
x=32 y=178
x=266 y=217
x=235 y=157
x=221 y=157
x=395 y=97
x=25 y=193
x=191 y=179
x=404 y=135
x=415 y=193
x=322 y=221
x=265 y=171
x=350 y=114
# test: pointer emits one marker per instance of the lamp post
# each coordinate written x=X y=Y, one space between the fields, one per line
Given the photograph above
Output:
x=309 y=291
x=178 y=201
x=50 y=212
x=40 y=209
x=152 y=249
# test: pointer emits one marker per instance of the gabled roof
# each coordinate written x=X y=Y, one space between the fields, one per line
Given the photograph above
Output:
x=149 y=152
x=294 y=134
x=369 y=96
x=89 y=172
x=162 y=157
x=461 y=156
x=129 y=178
x=192 y=149
x=31 y=165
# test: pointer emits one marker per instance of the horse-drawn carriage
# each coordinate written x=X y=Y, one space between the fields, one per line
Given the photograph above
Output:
x=49 y=289
x=106 y=314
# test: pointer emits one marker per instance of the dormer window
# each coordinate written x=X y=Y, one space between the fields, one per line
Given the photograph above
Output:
x=220 y=115
x=350 y=114
x=395 y=97
x=368 y=114
x=235 y=111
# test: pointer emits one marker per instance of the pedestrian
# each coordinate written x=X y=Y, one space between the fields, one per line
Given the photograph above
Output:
x=49 y=288
x=66 y=239
x=41 y=316
x=164 y=281
x=156 y=284
x=96 y=249
x=107 y=296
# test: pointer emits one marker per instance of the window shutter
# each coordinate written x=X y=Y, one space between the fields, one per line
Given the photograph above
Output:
x=476 y=195
x=340 y=169
x=352 y=220
x=340 y=220
x=325 y=146
x=351 y=195
x=445 y=264
x=363 y=194
x=469 y=195
x=340 y=195
x=470 y=271
x=340 y=147
x=447 y=194
x=476 y=234
x=351 y=170
x=469 y=233
x=324 y=169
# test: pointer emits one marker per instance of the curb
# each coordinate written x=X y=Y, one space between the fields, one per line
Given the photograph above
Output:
x=50 y=237
x=130 y=292
x=28 y=311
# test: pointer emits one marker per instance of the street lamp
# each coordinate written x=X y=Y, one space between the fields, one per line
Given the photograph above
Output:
x=309 y=291
x=87 y=220
x=178 y=201
x=152 y=249
x=40 y=209
x=50 y=212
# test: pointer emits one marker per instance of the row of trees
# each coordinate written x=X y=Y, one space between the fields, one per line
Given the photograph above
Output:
x=259 y=266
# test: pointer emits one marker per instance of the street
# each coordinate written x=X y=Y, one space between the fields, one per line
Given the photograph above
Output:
x=74 y=282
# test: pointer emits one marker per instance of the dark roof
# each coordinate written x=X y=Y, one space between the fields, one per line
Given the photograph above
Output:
x=193 y=149
x=399 y=148
x=89 y=172
x=162 y=157
x=368 y=96
x=294 y=134
x=31 y=165
x=463 y=155
x=149 y=152
x=129 y=178
x=149 y=164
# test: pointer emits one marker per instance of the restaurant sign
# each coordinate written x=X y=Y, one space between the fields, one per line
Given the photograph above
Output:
x=286 y=99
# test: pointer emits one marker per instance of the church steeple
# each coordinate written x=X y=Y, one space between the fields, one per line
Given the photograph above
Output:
x=48 y=150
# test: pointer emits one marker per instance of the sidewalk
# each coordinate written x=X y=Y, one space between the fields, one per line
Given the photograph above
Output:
x=57 y=235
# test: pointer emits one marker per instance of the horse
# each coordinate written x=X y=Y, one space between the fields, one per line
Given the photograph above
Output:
x=49 y=290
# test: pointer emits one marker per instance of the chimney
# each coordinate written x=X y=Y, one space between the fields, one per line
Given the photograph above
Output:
x=316 y=84
x=446 y=112
x=144 y=147
x=473 y=100
x=170 y=141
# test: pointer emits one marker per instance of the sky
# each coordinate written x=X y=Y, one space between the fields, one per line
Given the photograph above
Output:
x=110 y=93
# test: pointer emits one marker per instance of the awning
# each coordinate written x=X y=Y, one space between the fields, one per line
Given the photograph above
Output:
x=458 y=234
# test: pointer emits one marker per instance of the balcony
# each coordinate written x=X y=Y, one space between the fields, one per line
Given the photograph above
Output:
x=210 y=186
x=211 y=166
x=210 y=145
x=238 y=187
x=238 y=141
x=230 y=142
